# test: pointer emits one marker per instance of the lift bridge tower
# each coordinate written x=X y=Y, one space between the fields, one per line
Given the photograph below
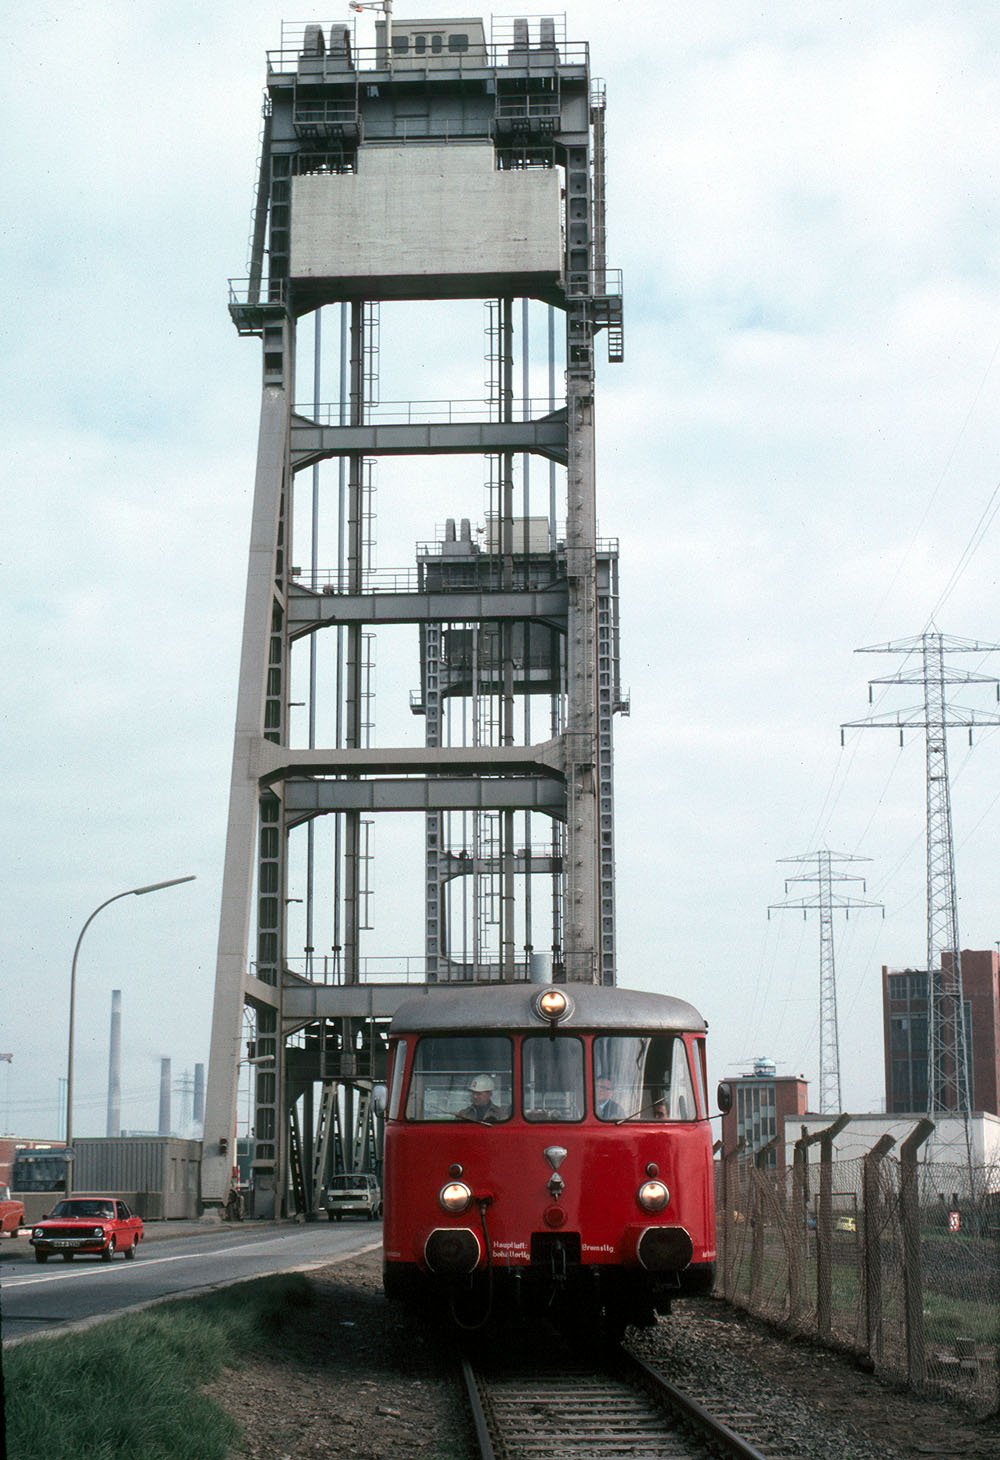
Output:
x=414 y=199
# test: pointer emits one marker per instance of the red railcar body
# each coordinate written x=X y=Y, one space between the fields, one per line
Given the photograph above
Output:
x=586 y=1184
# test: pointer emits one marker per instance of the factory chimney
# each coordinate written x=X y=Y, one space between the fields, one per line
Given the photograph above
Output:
x=198 y=1114
x=164 y=1126
x=114 y=1126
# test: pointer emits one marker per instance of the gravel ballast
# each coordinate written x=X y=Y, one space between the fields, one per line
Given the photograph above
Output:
x=358 y=1377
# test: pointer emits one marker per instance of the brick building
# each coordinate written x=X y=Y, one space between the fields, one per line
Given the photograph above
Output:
x=904 y=1018
x=762 y=1103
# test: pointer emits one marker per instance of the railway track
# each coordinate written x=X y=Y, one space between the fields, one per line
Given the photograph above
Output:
x=606 y=1406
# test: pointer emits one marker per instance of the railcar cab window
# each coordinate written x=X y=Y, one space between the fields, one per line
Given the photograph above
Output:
x=643 y=1077
x=453 y=1073
x=552 y=1078
x=396 y=1087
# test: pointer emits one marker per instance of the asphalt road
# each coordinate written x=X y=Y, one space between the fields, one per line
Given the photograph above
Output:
x=46 y=1299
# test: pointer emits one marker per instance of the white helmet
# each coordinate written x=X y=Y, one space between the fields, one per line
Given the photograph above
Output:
x=481 y=1083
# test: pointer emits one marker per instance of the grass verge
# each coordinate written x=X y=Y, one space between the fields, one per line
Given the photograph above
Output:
x=132 y=1386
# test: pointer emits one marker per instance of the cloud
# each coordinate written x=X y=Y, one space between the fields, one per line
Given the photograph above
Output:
x=794 y=458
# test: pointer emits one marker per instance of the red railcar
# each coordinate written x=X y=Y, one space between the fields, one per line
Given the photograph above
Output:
x=548 y=1145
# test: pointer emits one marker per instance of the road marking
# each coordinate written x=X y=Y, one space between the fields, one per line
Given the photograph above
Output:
x=102 y=1269
x=82 y=1324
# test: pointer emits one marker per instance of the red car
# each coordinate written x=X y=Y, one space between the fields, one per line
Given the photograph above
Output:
x=96 y=1225
x=11 y=1213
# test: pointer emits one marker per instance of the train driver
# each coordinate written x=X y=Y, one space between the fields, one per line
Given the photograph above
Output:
x=482 y=1107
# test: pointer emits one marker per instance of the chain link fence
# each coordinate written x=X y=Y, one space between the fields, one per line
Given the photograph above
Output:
x=895 y=1260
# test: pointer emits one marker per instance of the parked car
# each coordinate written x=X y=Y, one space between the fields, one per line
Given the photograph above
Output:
x=98 y=1226
x=11 y=1213
x=354 y=1195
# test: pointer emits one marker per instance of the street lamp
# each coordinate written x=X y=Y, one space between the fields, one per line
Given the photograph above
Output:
x=131 y=892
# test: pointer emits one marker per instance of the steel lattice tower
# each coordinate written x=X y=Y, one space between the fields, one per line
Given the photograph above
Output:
x=949 y=1084
x=437 y=167
x=826 y=901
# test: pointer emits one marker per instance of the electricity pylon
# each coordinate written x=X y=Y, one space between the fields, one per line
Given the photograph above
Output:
x=828 y=902
x=949 y=1085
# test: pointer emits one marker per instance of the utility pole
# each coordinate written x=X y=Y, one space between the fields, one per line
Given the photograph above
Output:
x=828 y=902
x=949 y=1085
x=8 y=1060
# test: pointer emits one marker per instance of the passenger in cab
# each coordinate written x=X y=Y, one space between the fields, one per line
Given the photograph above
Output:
x=607 y=1107
x=482 y=1107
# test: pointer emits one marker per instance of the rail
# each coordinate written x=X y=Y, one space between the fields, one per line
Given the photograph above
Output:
x=597 y=1404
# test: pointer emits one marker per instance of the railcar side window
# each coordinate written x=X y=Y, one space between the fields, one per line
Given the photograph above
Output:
x=552 y=1079
x=680 y=1093
x=698 y=1060
x=642 y=1077
x=463 y=1077
x=396 y=1088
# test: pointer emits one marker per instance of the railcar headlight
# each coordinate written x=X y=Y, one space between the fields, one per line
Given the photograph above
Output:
x=653 y=1196
x=455 y=1197
x=552 y=1005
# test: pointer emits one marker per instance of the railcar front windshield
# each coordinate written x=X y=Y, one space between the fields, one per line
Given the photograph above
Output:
x=552 y=1079
x=643 y=1077
x=462 y=1077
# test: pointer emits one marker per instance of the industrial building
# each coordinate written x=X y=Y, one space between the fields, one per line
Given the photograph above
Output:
x=766 y=1110
x=904 y=1016
x=429 y=221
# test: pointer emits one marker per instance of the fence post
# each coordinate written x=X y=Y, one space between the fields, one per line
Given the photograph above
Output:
x=824 y=1223
x=757 y=1243
x=871 y=1229
x=728 y=1236
x=800 y=1227
x=719 y=1192
x=913 y=1283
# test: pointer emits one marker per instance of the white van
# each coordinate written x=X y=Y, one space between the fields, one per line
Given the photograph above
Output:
x=356 y=1194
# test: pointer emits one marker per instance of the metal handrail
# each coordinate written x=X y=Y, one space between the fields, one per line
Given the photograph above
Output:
x=426 y=412
x=494 y=56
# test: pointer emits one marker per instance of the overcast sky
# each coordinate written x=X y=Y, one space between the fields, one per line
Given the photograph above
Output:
x=799 y=457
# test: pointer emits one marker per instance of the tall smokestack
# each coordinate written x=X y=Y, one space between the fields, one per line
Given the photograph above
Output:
x=114 y=1127
x=198 y=1114
x=164 y=1126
